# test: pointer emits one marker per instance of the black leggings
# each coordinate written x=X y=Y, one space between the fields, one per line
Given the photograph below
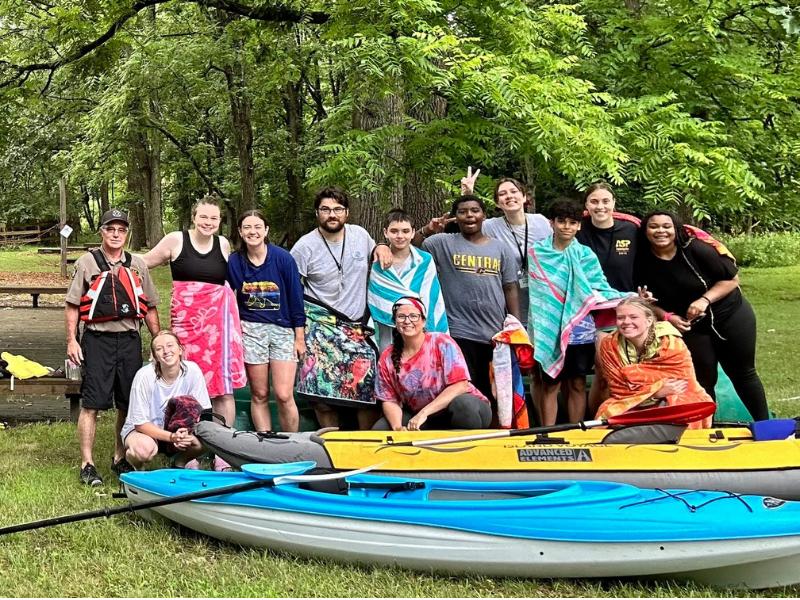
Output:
x=478 y=356
x=736 y=354
x=465 y=411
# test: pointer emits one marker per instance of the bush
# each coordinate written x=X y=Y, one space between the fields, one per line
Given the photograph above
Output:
x=765 y=250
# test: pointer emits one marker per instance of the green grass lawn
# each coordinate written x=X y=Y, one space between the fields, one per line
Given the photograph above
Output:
x=128 y=556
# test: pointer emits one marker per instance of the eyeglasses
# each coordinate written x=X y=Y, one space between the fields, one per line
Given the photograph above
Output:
x=337 y=210
x=113 y=230
x=413 y=317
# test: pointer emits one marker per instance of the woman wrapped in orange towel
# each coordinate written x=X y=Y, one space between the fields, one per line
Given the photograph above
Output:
x=647 y=364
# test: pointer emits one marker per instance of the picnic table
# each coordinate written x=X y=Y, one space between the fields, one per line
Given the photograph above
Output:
x=34 y=291
x=83 y=248
x=40 y=397
x=37 y=334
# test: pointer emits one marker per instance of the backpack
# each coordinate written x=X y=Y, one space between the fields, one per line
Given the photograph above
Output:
x=113 y=297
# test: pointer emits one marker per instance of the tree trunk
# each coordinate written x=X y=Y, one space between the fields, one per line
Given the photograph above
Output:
x=87 y=207
x=241 y=109
x=154 y=224
x=368 y=207
x=137 y=237
x=293 y=106
x=147 y=161
x=424 y=197
x=104 y=206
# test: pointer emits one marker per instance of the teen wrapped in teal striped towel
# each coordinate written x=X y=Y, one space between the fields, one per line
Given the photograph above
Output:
x=417 y=279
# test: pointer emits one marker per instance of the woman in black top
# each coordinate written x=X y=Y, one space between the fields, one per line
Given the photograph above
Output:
x=614 y=243
x=612 y=240
x=203 y=310
x=698 y=291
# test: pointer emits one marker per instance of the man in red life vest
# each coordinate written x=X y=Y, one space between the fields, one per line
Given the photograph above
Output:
x=112 y=293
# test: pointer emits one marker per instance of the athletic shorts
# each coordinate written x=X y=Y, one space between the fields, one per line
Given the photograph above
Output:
x=264 y=342
x=578 y=362
x=110 y=362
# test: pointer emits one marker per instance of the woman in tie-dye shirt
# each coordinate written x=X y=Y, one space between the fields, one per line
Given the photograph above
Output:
x=423 y=381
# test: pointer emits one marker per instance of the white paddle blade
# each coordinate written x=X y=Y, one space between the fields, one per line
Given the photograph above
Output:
x=326 y=477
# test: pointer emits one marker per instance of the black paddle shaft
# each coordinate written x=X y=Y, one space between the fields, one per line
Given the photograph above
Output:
x=130 y=507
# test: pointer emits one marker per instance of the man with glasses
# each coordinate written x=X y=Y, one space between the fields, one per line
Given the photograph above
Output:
x=333 y=260
x=112 y=293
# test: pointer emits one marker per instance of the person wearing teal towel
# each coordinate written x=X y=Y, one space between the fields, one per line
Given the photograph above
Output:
x=411 y=274
x=566 y=284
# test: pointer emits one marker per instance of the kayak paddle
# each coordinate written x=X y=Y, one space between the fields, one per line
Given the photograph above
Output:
x=259 y=481
x=677 y=414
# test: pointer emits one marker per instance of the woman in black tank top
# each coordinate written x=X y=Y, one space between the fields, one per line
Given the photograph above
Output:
x=191 y=265
x=203 y=310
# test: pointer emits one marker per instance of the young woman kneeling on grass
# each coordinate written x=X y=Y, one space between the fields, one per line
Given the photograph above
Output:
x=423 y=381
x=167 y=397
x=647 y=364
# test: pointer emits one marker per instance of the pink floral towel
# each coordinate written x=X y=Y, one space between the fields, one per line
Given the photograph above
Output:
x=205 y=318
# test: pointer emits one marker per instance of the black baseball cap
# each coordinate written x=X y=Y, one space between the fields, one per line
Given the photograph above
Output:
x=114 y=214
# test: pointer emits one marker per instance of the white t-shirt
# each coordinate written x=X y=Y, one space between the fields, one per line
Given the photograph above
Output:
x=316 y=258
x=149 y=395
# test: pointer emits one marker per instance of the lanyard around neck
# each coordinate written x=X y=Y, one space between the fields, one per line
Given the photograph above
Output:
x=521 y=247
x=339 y=263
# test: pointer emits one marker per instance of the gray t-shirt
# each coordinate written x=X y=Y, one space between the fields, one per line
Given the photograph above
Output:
x=512 y=236
x=472 y=278
x=345 y=290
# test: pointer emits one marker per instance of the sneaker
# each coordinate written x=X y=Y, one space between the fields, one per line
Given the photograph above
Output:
x=121 y=466
x=90 y=477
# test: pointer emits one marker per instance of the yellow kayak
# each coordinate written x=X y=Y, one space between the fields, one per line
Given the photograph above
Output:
x=660 y=456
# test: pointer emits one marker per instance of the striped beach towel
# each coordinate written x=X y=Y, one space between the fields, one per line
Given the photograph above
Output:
x=418 y=280
x=506 y=373
x=564 y=287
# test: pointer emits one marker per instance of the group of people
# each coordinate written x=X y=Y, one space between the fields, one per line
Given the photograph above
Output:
x=651 y=308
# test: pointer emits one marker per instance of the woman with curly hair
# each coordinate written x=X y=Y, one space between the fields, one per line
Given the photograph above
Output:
x=423 y=381
x=697 y=291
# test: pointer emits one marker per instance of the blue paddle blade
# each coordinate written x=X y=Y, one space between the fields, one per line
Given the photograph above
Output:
x=264 y=471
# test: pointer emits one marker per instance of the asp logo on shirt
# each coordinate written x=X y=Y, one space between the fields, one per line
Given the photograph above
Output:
x=622 y=247
x=478 y=265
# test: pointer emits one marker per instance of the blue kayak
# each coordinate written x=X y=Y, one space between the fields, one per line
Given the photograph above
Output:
x=522 y=528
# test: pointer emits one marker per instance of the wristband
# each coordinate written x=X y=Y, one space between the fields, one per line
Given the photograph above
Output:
x=422 y=231
x=704 y=297
x=668 y=316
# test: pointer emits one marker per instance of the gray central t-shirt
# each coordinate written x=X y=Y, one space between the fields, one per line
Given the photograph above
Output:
x=513 y=236
x=472 y=278
x=345 y=292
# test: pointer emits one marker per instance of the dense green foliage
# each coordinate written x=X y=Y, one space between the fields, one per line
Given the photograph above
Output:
x=154 y=102
x=765 y=250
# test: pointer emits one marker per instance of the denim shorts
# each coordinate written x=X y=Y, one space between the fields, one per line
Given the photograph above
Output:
x=264 y=342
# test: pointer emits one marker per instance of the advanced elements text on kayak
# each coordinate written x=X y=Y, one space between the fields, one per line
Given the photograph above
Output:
x=554 y=455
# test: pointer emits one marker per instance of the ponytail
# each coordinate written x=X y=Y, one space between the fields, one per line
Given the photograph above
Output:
x=397 y=349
